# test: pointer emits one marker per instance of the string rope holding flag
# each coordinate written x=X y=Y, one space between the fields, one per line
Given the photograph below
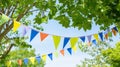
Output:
x=43 y=57
x=34 y=32
x=73 y=40
x=56 y=38
x=100 y=36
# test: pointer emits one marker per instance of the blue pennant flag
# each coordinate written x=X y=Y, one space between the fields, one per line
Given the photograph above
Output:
x=115 y=28
x=94 y=42
x=38 y=59
x=82 y=38
x=33 y=34
x=66 y=39
x=26 y=61
x=69 y=50
x=50 y=56
x=101 y=36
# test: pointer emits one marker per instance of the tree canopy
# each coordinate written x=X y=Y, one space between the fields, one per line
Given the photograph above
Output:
x=69 y=13
x=21 y=54
x=96 y=58
x=111 y=55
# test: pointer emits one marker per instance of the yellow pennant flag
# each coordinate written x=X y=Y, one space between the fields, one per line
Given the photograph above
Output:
x=74 y=48
x=96 y=37
x=44 y=58
x=32 y=59
x=16 y=25
x=56 y=40
x=56 y=54
x=73 y=41
x=8 y=63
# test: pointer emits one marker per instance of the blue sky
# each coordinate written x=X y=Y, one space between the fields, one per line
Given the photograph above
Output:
x=46 y=46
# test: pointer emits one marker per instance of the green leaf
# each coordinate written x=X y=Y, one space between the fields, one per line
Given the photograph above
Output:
x=63 y=20
x=44 y=19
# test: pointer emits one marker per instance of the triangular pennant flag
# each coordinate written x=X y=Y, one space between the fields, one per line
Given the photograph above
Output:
x=32 y=59
x=33 y=34
x=82 y=38
x=106 y=36
x=115 y=28
x=16 y=25
x=114 y=32
x=89 y=43
x=62 y=52
x=56 y=54
x=56 y=40
x=3 y=19
x=25 y=30
x=89 y=38
x=44 y=57
x=96 y=37
x=50 y=56
x=8 y=63
x=73 y=41
x=69 y=50
x=38 y=59
x=101 y=36
x=74 y=48
x=26 y=61
x=20 y=62
x=66 y=40
x=94 y=42
x=43 y=36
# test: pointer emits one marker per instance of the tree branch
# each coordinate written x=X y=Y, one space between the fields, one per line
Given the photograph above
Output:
x=13 y=10
x=8 y=28
x=6 y=52
x=25 y=12
x=6 y=31
x=34 y=10
x=8 y=10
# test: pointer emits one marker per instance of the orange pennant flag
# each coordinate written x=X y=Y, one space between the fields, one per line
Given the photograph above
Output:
x=89 y=43
x=43 y=36
x=62 y=52
x=106 y=36
x=114 y=32
x=20 y=62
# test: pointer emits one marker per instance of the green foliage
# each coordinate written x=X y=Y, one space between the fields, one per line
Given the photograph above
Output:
x=112 y=55
x=63 y=20
x=75 y=13
x=96 y=59
x=21 y=53
x=80 y=12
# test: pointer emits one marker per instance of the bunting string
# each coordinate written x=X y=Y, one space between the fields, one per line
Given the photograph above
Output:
x=73 y=40
x=17 y=24
x=43 y=57
x=93 y=38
